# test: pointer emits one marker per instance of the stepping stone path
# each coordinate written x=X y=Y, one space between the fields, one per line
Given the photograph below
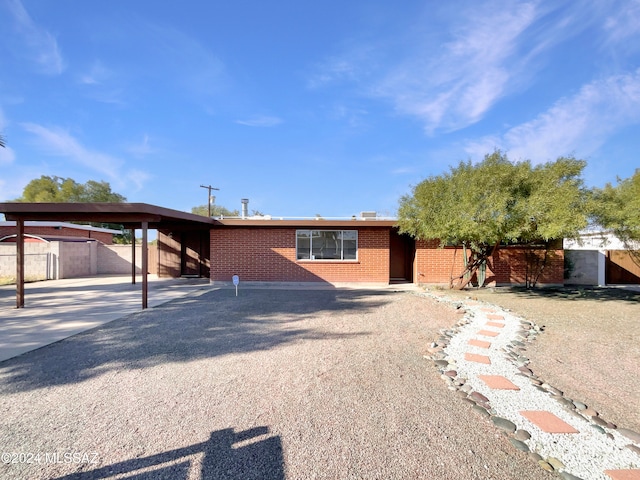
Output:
x=482 y=358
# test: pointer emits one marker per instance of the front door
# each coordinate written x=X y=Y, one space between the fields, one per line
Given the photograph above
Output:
x=402 y=250
x=191 y=248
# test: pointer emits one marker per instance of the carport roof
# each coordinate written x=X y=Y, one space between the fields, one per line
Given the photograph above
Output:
x=130 y=215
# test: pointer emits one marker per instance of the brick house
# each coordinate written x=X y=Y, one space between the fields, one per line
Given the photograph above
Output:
x=366 y=250
x=359 y=250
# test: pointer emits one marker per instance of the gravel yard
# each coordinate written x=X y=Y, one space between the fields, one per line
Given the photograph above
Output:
x=590 y=348
x=271 y=384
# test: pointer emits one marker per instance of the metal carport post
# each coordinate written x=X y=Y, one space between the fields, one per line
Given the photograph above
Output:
x=20 y=264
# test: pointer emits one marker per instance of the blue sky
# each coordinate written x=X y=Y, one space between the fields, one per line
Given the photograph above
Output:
x=310 y=108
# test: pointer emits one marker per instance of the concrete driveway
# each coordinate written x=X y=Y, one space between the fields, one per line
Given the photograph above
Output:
x=270 y=384
x=57 y=309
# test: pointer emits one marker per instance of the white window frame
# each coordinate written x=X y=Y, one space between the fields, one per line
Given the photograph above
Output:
x=311 y=256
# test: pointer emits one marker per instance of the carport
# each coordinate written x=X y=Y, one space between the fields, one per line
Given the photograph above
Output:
x=181 y=227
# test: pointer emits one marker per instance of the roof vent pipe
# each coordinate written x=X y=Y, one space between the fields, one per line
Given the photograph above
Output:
x=245 y=207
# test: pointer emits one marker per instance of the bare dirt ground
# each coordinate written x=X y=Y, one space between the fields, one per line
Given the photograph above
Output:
x=590 y=347
x=271 y=384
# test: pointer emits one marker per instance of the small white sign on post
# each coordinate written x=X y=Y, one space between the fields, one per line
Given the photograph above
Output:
x=236 y=281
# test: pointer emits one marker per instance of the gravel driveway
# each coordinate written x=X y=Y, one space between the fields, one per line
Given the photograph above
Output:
x=272 y=384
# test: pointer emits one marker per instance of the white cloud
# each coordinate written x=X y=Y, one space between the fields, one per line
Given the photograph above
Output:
x=97 y=74
x=623 y=22
x=450 y=73
x=351 y=67
x=354 y=117
x=142 y=148
x=260 y=121
x=41 y=46
x=59 y=142
x=465 y=58
x=470 y=73
x=579 y=124
x=102 y=84
x=138 y=178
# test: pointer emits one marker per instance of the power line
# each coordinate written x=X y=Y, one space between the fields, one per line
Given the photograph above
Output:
x=209 y=188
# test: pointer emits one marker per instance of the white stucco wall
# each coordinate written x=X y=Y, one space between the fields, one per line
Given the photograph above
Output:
x=595 y=241
x=587 y=255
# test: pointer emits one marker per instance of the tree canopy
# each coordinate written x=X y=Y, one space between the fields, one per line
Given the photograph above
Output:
x=617 y=208
x=216 y=210
x=67 y=190
x=481 y=206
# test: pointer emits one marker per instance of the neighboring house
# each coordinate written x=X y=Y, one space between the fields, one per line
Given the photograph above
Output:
x=600 y=258
x=57 y=250
x=51 y=230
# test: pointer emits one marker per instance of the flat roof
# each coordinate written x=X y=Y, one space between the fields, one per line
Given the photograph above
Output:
x=130 y=215
x=308 y=224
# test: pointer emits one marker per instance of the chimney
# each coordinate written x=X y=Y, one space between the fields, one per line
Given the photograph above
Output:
x=245 y=207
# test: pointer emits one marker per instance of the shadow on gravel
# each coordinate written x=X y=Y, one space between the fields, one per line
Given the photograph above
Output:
x=227 y=455
x=576 y=293
x=212 y=324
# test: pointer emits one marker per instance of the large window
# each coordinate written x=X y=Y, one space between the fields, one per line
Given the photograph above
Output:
x=327 y=244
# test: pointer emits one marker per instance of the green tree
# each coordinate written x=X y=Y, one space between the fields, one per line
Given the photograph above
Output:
x=66 y=190
x=617 y=208
x=100 y=192
x=482 y=206
x=216 y=210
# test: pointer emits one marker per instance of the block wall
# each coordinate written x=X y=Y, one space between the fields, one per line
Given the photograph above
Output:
x=507 y=266
x=38 y=261
x=116 y=259
x=54 y=260
x=269 y=255
x=77 y=259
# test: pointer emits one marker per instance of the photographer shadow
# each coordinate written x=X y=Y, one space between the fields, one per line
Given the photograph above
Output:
x=249 y=454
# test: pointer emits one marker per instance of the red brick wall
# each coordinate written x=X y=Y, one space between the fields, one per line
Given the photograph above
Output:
x=105 y=238
x=507 y=266
x=269 y=255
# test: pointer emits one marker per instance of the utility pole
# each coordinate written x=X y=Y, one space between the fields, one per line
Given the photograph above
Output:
x=209 y=187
